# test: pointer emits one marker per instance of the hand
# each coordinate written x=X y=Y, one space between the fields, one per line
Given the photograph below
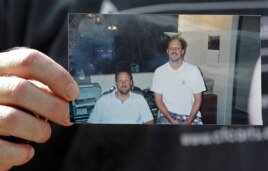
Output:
x=187 y=122
x=47 y=96
x=174 y=122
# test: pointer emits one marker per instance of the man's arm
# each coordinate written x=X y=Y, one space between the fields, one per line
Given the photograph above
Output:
x=163 y=109
x=195 y=108
x=20 y=97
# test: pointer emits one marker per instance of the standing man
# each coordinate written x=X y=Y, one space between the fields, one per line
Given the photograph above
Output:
x=122 y=106
x=178 y=87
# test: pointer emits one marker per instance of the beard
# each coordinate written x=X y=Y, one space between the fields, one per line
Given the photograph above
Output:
x=175 y=53
x=123 y=91
x=174 y=57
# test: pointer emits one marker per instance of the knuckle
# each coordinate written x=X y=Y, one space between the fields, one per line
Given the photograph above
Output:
x=30 y=57
x=64 y=75
x=19 y=89
x=9 y=121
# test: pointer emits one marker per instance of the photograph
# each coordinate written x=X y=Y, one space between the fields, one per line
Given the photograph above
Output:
x=165 y=69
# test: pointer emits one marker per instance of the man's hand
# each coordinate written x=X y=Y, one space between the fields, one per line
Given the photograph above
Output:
x=31 y=83
x=187 y=122
x=163 y=109
x=173 y=121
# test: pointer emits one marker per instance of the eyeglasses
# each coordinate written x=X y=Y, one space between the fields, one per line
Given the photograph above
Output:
x=174 y=48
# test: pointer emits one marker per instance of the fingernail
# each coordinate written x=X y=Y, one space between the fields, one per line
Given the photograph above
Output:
x=72 y=91
x=68 y=123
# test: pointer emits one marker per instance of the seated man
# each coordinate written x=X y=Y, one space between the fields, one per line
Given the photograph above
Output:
x=122 y=106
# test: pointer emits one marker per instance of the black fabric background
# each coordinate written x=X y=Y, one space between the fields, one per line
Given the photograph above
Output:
x=43 y=25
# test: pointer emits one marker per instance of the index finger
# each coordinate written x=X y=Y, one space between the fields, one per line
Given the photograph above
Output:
x=32 y=64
